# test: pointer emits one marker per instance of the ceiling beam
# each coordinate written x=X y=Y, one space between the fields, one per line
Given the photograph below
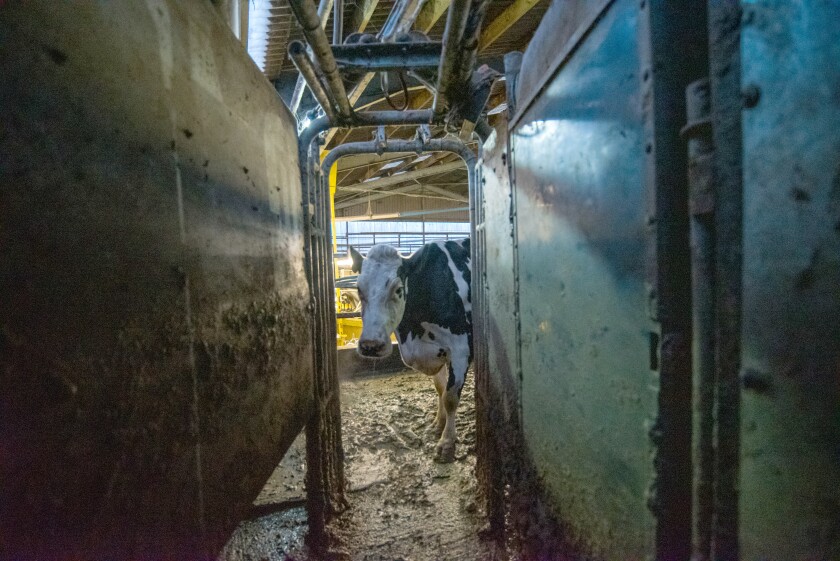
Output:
x=362 y=14
x=377 y=196
x=504 y=21
x=430 y=14
x=446 y=193
x=395 y=180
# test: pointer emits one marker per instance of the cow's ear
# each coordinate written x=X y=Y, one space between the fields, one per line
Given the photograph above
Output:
x=357 y=260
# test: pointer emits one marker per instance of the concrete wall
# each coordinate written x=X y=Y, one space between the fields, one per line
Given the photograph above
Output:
x=154 y=334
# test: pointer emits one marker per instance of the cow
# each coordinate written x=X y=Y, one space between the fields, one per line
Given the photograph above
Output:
x=425 y=299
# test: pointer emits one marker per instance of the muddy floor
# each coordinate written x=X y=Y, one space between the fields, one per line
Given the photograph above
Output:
x=404 y=506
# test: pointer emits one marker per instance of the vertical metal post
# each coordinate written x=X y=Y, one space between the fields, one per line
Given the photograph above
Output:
x=701 y=207
x=338 y=22
x=662 y=24
x=325 y=483
x=725 y=80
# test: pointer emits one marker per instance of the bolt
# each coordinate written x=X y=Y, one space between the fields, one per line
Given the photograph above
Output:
x=750 y=96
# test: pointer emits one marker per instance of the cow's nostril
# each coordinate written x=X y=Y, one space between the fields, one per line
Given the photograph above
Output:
x=371 y=347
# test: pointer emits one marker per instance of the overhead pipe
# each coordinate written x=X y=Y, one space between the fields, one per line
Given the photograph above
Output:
x=368 y=119
x=400 y=20
x=456 y=22
x=338 y=22
x=309 y=20
x=299 y=57
x=388 y=56
x=468 y=48
x=324 y=7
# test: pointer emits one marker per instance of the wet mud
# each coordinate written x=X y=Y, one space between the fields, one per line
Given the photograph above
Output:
x=403 y=505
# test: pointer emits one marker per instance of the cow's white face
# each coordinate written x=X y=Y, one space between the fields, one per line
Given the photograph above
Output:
x=383 y=298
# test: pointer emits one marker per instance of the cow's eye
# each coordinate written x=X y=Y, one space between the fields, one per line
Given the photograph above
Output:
x=399 y=292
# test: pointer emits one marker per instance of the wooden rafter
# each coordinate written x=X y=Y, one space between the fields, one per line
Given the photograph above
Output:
x=504 y=21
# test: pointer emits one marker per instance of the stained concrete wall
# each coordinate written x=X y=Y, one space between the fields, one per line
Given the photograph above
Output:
x=154 y=342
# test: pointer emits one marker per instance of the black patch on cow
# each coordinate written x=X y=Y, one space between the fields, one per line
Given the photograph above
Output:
x=432 y=294
x=431 y=336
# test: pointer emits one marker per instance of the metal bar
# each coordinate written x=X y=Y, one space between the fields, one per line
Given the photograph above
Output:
x=429 y=17
x=456 y=22
x=468 y=48
x=703 y=289
x=338 y=22
x=391 y=215
x=388 y=56
x=726 y=99
x=297 y=52
x=309 y=20
x=400 y=19
x=323 y=12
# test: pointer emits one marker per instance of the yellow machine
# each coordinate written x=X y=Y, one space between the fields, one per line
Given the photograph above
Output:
x=348 y=329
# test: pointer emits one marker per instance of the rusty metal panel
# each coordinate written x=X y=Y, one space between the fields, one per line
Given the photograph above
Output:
x=155 y=359
x=589 y=350
x=790 y=403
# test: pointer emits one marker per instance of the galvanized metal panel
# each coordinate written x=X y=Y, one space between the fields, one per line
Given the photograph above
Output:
x=588 y=389
x=790 y=415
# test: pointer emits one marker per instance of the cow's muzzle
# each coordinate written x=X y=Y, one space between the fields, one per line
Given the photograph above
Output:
x=374 y=348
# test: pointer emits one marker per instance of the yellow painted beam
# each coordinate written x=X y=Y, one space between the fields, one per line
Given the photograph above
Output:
x=361 y=17
x=430 y=13
x=505 y=21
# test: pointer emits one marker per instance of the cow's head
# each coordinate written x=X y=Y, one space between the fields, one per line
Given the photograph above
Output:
x=382 y=291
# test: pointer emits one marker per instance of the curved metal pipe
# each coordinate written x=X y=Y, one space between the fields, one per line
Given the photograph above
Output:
x=416 y=145
x=309 y=20
x=297 y=52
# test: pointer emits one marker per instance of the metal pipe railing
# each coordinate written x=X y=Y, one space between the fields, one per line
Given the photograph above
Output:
x=309 y=20
x=299 y=57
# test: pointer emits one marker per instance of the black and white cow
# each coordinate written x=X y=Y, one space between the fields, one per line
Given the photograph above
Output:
x=425 y=299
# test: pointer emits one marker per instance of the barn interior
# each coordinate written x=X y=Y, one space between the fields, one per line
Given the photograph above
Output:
x=652 y=197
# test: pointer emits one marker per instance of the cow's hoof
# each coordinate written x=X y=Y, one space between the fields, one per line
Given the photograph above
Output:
x=445 y=453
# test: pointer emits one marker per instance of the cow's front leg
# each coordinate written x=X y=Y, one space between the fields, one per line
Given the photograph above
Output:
x=445 y=449
x=440 y=386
